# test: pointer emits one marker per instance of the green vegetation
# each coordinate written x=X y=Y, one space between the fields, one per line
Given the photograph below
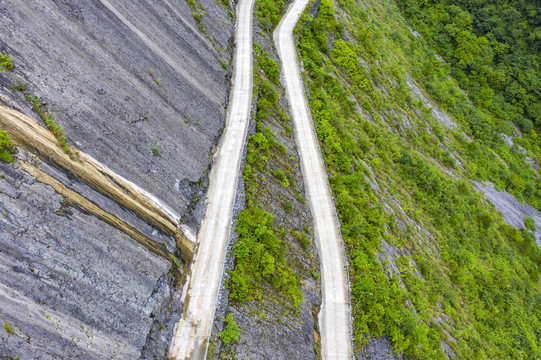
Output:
x=158 y=81
x=266 y=267
x=174 y=261
x=529 y=223
x=260 y=257
x=231 y=331
x=227 y=5
x=268 y=65
x=6 y=63
x=198 y=13
x=471 y=280
x=155 y=150
x=39 y=108
x=269 y=13
x=7 y=327
x=494 y=49
x=281 y=175
x=491 y=55
x=19 y=87
x=7 y=150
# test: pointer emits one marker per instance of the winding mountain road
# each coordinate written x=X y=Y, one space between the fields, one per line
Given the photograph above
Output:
x=335 y=314
x=192 y=332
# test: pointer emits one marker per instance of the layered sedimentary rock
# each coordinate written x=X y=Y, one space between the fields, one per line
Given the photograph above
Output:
x=83 y=272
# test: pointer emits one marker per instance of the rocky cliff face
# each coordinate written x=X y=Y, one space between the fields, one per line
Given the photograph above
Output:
x=82 y=275
x=72 y=285
x=90 y=61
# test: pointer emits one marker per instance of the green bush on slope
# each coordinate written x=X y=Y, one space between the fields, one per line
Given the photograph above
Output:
x=231 y=332
x=6 y=63
x=260 y=252
x=7 y=150
x=260 y=257
x=475 y=269
x=268 y=13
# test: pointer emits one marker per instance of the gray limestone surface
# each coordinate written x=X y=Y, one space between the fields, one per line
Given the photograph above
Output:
x=91 y=63
x=71 y=285
x=378 y=349
x=512 y=210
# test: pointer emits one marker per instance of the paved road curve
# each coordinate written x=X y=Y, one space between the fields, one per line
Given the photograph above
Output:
x=192 y=331
x=334 y=318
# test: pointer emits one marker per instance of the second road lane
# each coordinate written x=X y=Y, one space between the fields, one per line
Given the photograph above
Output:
x=335 y=314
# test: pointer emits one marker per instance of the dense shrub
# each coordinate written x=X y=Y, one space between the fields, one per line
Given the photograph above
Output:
x=231 y=332
x=7 y=150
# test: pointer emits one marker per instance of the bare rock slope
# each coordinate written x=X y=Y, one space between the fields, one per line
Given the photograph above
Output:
x=71 y=285
x=81 y=275
x=90 y=61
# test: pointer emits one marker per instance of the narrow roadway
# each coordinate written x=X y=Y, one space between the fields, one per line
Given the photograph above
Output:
x=334 y=317
x=192 y=332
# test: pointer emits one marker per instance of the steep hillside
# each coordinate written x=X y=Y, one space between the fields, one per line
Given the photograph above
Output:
x=96 y=64
x=434 y=267
x=96 y=216
x=494 y=52
x=436 y=271
x=427 y=117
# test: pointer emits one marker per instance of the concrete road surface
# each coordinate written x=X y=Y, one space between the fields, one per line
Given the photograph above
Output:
x=335 y=317
x=192 y=331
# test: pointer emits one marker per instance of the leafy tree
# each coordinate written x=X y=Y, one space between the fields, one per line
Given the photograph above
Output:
x=529 y=223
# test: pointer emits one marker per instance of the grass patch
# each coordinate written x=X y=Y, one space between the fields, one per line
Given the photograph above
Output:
x=7 y=327
x=39 y=108
x=7 y=150
x=6 y=63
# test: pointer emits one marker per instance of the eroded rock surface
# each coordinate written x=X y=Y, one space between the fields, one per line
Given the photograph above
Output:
x=90 y=61
x=512 y=210
x=71 y=284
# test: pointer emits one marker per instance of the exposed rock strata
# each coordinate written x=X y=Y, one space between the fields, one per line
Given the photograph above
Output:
x=26 y=133
x=85 y=257
x=71 y=284
x=92 y=69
